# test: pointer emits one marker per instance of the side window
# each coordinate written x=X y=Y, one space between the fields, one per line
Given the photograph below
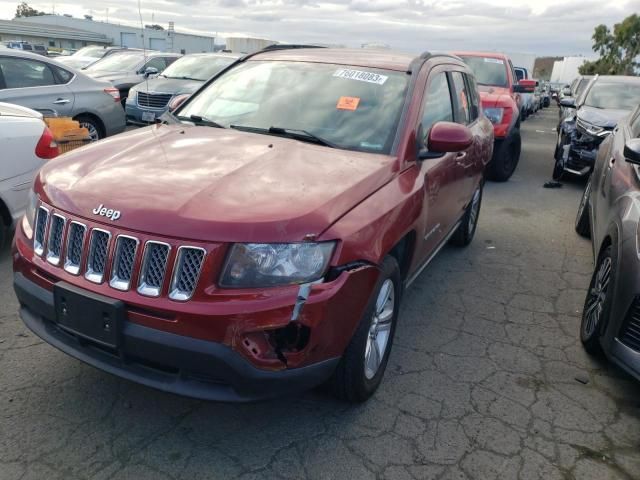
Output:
x=157 y=63
x=474 y=100
x=63 y=75
x=462 y=100
x=170 y=60
x=21 y=73
x=635 y=126
x=437 y=102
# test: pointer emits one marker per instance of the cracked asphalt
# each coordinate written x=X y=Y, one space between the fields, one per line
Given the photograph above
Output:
x=487 y=379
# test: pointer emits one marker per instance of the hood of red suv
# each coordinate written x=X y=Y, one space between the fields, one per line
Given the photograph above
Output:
x=491 y=96
x=210 y=184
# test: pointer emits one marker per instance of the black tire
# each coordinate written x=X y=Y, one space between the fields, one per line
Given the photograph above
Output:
x=349 y=381
x=469 y=224
x=96 y=130
x=558 y=167
x=4 y=233
x=506 y=155
x=583 y=227
x=599 y=300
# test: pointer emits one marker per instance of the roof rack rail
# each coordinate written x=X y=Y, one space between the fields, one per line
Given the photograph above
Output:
x=288 y=46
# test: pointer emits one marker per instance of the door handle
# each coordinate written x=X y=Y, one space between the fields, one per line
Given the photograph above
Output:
x=461 y=156
x=61 y=101
x=612 y=161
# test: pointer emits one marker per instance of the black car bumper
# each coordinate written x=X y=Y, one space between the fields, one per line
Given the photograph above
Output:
x=168 y=362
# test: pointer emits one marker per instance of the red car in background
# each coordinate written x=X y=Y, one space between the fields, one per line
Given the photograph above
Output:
x=259 y=240
x=501 y=102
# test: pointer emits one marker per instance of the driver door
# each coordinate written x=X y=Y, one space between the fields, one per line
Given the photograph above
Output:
x=440 y=179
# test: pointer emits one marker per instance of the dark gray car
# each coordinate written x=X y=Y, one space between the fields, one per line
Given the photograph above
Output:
x=596 y=112
x=609 y=212
x=149 y=99
x=42 y=84
x=128 y=68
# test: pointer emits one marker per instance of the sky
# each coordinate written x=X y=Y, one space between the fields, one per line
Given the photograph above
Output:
x=542 y=27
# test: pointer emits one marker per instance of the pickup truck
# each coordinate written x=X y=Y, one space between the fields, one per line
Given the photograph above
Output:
x=501 y=101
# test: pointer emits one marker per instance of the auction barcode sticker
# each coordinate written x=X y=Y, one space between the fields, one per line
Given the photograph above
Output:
x=493 y=60
x=361 y=76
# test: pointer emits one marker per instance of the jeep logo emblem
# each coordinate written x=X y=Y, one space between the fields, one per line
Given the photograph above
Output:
x=107 y=212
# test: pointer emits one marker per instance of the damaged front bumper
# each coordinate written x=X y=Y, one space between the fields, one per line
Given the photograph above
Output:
x=579 y=154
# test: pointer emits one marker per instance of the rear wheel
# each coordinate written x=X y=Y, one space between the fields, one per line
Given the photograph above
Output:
x=4 y=233
x=506 y=155
x=583 y=227
x=558 y=156
x=467 y=229
x=96 y=132
x=362 y=366
x=597 y=305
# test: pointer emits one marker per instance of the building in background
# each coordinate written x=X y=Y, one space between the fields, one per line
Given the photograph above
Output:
x=51 y=36
x=247 y=44
x=564 y=71
x=523 y=60
x=110 y=33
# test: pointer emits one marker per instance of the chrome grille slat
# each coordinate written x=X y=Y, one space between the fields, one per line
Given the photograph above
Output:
x=75 y=245
x=154 y=266
x=41 y=230
x=54 y=244
x=97 y=256
x=124 y=259
x=186 y=273
x=153 y=100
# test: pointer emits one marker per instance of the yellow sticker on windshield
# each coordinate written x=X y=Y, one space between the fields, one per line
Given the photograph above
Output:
x=348 y=103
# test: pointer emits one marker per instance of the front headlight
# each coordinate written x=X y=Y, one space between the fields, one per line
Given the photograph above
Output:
x=494 y=115
x=30 y=215
x=252 y=265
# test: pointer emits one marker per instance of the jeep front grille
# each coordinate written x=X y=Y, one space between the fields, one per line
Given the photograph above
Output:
x=81 y=249
x=41 y=230
x=54 y=245
x=630 y=331
x=123 y=261
x=97 y=259
x=75 y=244
x=154 y=266
x=186 y=273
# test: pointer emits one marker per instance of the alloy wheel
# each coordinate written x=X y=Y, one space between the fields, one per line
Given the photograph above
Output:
x=379 y=330
x=584 y=200
x=475 y=210
x=594 y=305
x=93 y=131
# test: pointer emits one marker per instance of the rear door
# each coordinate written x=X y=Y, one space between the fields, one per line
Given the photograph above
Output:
x=441 y=205
x=35 y=84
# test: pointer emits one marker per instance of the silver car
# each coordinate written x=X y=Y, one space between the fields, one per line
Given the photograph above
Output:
x=128 y=68
x=44 y=85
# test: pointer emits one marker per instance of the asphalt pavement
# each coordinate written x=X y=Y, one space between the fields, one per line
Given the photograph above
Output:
x=487 y=378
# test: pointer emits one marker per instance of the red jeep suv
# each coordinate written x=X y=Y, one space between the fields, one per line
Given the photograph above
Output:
x=500 y=94
x=259 y=239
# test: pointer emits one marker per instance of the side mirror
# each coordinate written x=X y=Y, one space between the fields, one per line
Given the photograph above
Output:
x=632 y=151
x=150 y=71
x=566 y=91
x=445 y=137
x=177 y=101
x=568 y=102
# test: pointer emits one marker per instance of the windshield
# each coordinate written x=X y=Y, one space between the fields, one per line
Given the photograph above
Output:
x=197 y=67
x=118 y=62
x=614 y=95
x=92 y=52
x=350 y=107
x=488 y=71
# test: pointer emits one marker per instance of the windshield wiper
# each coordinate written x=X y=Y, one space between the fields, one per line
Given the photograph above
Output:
x=296 y=134
x=201 y=121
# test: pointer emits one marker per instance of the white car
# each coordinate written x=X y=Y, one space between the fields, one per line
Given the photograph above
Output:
x=26 y=143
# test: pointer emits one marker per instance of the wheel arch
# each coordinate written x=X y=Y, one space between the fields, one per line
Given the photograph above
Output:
x=403 y=251
x=5 y=216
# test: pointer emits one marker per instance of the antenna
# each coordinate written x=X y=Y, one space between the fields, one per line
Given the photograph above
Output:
x=144 y=48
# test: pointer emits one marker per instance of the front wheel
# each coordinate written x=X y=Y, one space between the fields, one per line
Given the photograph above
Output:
x=506 y=155
x=362 y=366
x=467 y=228
x=582 y=226
x=558 y=157
x=597 y=304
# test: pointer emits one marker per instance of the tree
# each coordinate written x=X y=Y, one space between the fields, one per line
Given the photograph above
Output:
x=24 y=10
x=618 y=50
x=155 y=26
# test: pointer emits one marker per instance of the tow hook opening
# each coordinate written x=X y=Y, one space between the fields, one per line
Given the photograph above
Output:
x=279 y=342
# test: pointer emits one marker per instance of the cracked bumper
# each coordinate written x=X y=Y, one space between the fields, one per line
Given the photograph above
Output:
x=166 y=361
